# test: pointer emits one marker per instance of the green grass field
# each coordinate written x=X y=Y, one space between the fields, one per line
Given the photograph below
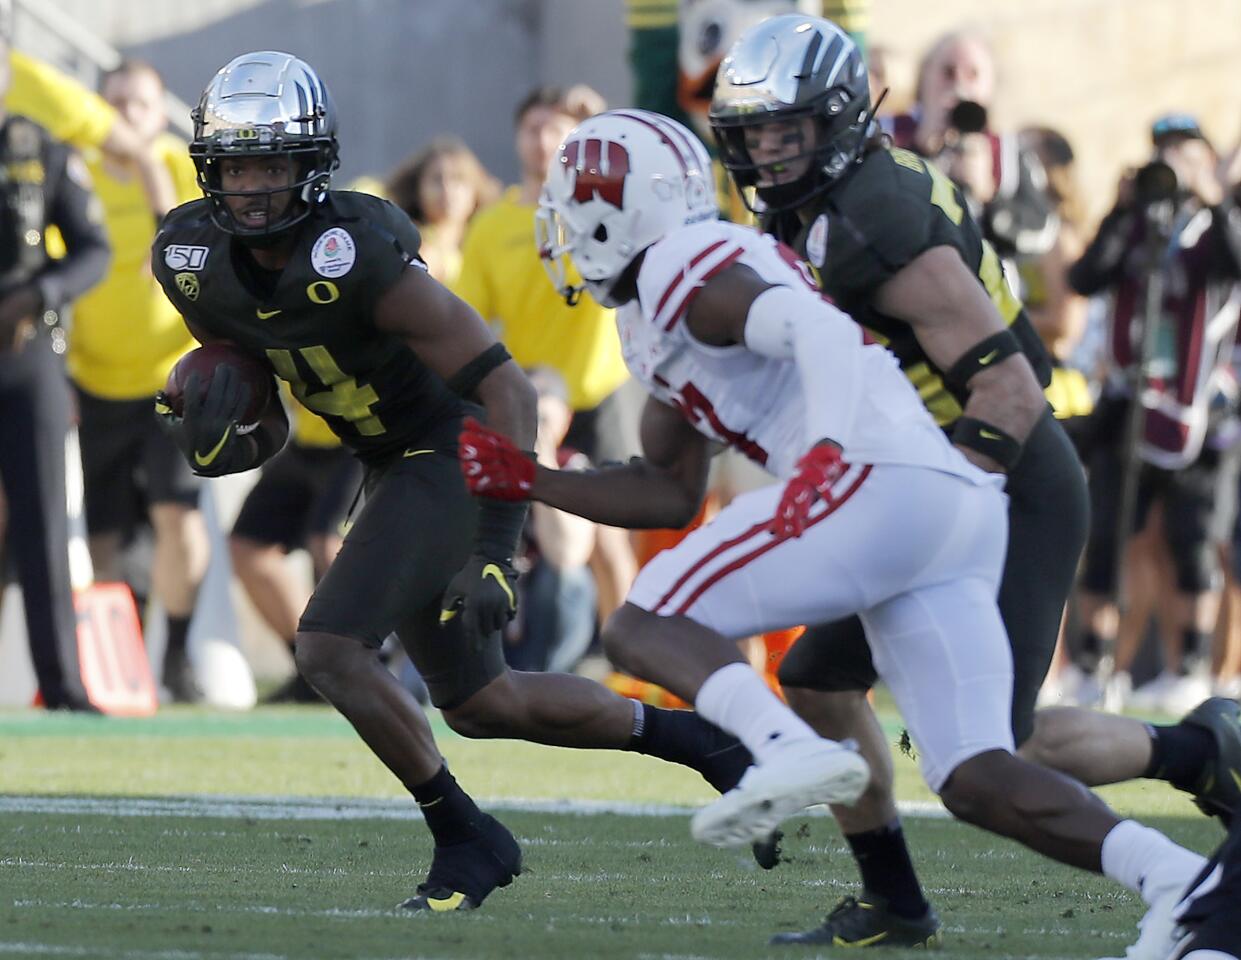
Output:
x=275 y=834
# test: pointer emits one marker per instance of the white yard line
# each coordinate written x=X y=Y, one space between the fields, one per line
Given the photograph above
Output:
x=347 y=808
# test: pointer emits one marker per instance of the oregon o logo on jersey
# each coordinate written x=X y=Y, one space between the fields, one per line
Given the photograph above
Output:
x=323 y=291
x=187 y=283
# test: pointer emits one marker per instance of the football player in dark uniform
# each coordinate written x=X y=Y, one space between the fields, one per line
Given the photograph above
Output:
x=1208 y=913
x=892 y=243
x=328 y=287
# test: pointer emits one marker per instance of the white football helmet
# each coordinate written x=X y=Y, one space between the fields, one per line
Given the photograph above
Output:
x=620 y=181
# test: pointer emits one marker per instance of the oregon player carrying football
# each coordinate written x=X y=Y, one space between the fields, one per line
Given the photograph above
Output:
x=328 y=287
x=892 y=242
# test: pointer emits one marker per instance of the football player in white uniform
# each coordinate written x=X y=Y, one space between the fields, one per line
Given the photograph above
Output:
x=878 y=514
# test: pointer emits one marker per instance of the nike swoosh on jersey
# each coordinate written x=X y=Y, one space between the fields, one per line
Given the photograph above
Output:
x=267 y=314
x=415 y=453
x=214 y=451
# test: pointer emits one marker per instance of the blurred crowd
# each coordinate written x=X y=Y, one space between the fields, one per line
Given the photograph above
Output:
x=1138 y=311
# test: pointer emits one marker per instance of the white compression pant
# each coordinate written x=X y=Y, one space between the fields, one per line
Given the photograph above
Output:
x=916 y=552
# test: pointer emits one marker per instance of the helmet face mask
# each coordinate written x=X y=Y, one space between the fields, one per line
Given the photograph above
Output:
x=558 y=234
x=782 y=71
x=258 y=105
x=621 y=181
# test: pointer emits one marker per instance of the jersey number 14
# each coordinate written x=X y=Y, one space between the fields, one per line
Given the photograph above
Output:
x=332 y=392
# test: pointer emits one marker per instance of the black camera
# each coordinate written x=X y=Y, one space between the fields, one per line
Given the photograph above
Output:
x=968 y=117
x=1156 y=182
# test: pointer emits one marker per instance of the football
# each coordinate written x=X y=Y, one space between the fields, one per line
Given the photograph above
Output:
x=205 y=360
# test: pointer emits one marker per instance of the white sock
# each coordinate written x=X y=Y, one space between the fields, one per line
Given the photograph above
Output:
x=1146 y=861
x=736 y=699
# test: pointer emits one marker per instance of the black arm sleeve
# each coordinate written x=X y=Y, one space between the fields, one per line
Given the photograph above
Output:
x=73 y=207
x=1100 y=266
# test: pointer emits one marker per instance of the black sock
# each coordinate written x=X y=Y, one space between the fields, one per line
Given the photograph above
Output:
x=1091 y=651
x=1179 y=753
x=1195 y=650
x=681 y=736
x=178 y=633
x=451 y=815
x=883 y=860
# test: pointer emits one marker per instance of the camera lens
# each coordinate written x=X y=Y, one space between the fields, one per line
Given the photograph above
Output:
x=968 y=117
x=1155 y=183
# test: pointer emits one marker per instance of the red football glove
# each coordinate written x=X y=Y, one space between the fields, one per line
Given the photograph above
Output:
x=816 y=472
x=493 y=465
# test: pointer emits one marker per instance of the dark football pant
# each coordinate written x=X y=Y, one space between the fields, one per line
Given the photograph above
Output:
x=1048 y=515
x=410 y=537
x=1209 y=912
x=34 y=418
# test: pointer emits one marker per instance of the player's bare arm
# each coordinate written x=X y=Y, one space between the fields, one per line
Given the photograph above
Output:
x=950 y=313
x=448 y=336
x=452 y=340
x=663 y=489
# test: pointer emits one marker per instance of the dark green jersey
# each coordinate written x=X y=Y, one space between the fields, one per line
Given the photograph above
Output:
x=314 y=319
x=892 y=208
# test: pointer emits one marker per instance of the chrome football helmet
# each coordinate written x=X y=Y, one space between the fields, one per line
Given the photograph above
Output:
x=263 y=103
x=620 y=181
x=786 y=69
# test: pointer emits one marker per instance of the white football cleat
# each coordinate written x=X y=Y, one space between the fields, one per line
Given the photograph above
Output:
x=798 y=776
x=1159 y=936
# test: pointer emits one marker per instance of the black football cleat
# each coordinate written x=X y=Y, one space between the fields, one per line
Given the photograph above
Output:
x=463 y=874
x=866 y=921
x=767 y=852
x=1217 y=791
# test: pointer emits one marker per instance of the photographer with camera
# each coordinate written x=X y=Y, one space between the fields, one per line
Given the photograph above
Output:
x=1003 y=182
x=1169 y=254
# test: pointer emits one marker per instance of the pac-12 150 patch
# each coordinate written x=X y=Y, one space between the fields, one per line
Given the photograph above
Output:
x=333 y=254
x=816 y=241
x=185 y=256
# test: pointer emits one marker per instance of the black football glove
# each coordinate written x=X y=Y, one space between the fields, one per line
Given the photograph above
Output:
x=206 y=432
x=483 y=594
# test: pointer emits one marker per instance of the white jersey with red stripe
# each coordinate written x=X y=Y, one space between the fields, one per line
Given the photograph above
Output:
x=753 y=402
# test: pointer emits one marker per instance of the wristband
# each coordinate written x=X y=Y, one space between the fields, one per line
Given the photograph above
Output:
x=987 y=439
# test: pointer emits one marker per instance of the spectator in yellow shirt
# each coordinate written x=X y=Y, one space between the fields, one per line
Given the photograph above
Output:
x=503 y=279
x=75 y=115
x=126 y=337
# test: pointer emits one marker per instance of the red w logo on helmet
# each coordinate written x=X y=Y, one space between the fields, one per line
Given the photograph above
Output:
x=592 y=179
